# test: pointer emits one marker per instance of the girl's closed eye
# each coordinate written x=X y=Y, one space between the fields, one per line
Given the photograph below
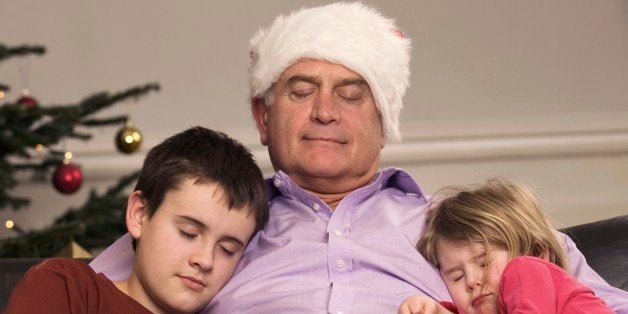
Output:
x=457 y=276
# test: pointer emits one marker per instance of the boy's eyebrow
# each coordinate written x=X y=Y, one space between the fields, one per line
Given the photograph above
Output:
x=234 y=239
x=201 y=225
x=194 y=221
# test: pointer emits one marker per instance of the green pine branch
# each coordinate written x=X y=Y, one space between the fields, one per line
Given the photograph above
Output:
x=100 y=220
x=8 y=52
x=97 y=223
x=22 y=128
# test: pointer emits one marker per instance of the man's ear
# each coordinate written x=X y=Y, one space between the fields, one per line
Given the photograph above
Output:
x=136 y=214
x=260 y=114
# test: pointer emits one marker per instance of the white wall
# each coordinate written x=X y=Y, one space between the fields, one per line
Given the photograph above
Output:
x=534 y=90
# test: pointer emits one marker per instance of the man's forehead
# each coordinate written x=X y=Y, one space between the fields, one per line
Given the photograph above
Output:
x=320 y=69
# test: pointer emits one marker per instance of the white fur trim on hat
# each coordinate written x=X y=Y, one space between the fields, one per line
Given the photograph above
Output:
x=351 y=34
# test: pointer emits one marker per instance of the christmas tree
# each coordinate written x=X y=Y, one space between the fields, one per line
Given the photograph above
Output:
x=26 y=130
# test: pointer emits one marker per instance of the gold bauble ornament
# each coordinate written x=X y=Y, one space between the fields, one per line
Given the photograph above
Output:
x=128 y=139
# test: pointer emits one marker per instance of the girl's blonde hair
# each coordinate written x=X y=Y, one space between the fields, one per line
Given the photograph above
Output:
x=498 y=212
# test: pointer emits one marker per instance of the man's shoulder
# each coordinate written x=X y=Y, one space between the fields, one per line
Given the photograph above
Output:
x=400 y=179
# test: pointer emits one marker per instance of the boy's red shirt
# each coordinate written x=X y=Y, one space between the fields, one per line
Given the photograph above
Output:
x=60 y=285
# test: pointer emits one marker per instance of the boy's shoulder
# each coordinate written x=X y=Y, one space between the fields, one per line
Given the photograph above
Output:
x=65 y=272
x=63 y=265
x=69 y=285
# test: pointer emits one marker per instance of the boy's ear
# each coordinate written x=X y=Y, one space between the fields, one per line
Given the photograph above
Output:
x=136 y=214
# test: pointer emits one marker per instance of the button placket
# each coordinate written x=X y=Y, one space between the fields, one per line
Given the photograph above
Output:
x=277 y=182
x=316 y=207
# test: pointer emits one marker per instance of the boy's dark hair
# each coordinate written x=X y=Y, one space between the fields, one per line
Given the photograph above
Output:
x=207 y=156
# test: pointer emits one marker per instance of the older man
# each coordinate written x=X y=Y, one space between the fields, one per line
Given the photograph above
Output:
x=326 y=87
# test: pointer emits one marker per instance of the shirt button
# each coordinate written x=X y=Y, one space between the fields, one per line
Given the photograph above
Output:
x=338 y=232
x=277 y=182
x=316 y=206
x=340 y=263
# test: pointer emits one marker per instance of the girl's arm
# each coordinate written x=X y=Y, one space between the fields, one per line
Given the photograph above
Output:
x=422 y=304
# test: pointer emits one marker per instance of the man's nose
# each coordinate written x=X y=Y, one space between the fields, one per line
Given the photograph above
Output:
x=325 y=109
x=203 y=258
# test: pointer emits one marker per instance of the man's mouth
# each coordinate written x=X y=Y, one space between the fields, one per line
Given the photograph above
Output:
x=324 y=139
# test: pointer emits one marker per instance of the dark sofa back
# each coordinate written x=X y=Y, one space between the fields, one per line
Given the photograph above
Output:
x=605 y=246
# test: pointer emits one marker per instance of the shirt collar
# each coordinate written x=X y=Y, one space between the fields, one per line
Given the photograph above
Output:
x=281 y=184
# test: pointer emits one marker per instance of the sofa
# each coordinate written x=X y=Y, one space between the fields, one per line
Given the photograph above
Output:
x=603 y=243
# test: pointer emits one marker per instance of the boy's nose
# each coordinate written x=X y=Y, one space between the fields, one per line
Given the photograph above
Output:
x=203 y=259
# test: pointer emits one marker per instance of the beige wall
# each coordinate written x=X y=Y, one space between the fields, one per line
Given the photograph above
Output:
x=534 y=90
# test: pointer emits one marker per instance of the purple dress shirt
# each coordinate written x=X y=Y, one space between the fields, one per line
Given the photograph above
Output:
x=359 y=258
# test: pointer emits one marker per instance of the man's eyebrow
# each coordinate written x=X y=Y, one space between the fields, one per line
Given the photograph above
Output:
x=302 y=78
x=352 y=81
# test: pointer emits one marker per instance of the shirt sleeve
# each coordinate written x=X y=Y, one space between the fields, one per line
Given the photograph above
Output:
x=527 y=288
x=615 y=298
x=39 y=291
x=532 y=285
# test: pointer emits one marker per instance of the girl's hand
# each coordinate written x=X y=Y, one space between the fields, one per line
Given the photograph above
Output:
x=421 y=304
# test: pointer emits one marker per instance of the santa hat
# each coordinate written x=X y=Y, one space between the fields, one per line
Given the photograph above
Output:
x=351 y=34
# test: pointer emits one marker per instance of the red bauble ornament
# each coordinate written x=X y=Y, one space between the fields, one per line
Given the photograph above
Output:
x=68 y=178
x=27 y=101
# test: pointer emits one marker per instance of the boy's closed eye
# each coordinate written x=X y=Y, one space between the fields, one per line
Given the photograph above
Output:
x=188 y=235
x=228 y=250
x=188 y=230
